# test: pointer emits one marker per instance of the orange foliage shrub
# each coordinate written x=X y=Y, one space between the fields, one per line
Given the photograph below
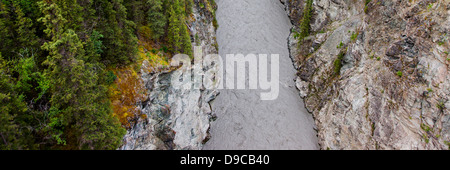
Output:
x=128 y=90
x=148 y=50
x=126 y=93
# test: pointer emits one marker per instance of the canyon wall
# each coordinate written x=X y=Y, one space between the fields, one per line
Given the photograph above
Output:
x=174 y=117
x=375 y=74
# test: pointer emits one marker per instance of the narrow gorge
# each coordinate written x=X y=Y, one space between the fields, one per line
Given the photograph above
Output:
x=367 y=75
x=224 y=75
x=226 y=118
x=244 y=121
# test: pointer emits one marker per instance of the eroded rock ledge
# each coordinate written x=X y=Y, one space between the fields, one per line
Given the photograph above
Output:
x=176 y=118
x=376 y=75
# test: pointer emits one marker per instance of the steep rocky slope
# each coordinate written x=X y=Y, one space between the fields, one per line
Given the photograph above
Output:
x=177 y=118
x=375 y=75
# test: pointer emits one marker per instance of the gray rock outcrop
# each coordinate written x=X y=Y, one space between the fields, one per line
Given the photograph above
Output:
x=376 y=75
x=177 y=118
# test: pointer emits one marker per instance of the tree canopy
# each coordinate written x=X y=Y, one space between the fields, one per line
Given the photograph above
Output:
x=54 y=60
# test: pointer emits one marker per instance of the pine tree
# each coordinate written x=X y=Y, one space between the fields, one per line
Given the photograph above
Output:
x=179 y=37
x=135 y=11
x=188 y=7
x=20 y=75
x=305 y=22
x=174 y=28
x=53 y=92
x=184 y=33
x=187 y=45
x=6 y=31
x=156 y=18
x=118 y=33
x=24 y=29
x=80 y=116
x=89 y=22
x=11 y=104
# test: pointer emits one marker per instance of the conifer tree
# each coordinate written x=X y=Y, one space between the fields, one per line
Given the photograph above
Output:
x=53 y=81
x=174 y=28
x=6 y=31
x=305 y=22
x=136 y=10
x=118 y=33
x=24 y=28
x=80 y=114
x=11 y=104
x=156 y=18
x=184 y=33
x=188 y=7
x=187 y=46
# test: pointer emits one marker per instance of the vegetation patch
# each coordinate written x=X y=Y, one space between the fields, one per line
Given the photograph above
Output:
x=399 y=73
x=447 y=143
x=69 y=70
x=366 y=7
x=340 y=45
x=305 y=22
x=440 y=105
x=338 y=62
x=354 y=36
x=425 y=137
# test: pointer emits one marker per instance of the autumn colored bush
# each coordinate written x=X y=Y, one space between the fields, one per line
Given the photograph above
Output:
x=125 y=94
x=128 y=90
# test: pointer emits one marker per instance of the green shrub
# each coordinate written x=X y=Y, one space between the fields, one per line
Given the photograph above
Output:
x=338 y=63
x=164 y=49
x=304 y=24
x=366 y=8
x=429 y=6
x=425 y=137
x=154 y=51
x=440 y=105
x=340 y=45
x=354 y=36
x=215 y=24
x=110 y=77
x=425 y=127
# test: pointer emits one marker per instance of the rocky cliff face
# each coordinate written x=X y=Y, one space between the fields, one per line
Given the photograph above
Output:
x=375 y=75
x=176 y=118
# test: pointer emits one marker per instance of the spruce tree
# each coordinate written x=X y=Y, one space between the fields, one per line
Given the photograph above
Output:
x=135 y=11
x=6 y=31
x=188 y=7
x=11 y=105
x=187 y=46
x=305 y=22
x=156 y=18
x=118 y=33
x=24 y=27
x=174 y=28
x=184 y=33
x=80 y=116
